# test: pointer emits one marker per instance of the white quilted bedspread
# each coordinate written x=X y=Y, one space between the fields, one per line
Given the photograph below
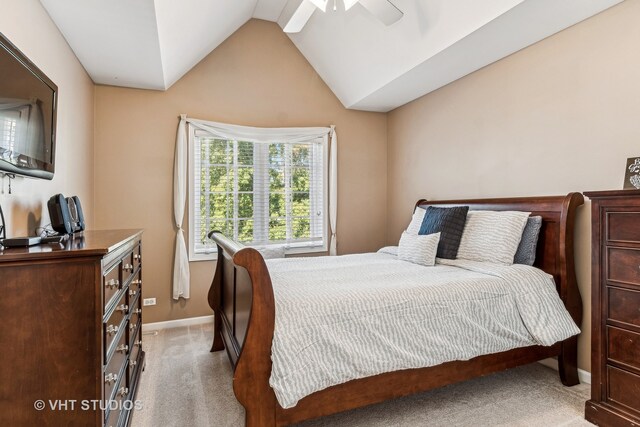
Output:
x=354 y=316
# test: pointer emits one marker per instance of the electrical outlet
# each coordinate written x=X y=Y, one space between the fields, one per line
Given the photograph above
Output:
x=149 y=301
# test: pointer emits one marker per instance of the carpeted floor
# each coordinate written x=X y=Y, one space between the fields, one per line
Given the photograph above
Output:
x=186 y=385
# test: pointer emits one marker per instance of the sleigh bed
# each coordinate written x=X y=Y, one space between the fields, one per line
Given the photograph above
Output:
x=242 y=298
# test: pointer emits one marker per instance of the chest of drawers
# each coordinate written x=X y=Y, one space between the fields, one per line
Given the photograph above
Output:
x=70 y=315
x=615 y=293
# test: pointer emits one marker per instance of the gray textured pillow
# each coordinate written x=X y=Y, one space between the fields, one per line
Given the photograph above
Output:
x=526 y=253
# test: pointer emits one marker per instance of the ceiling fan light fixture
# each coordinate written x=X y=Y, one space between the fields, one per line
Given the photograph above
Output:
x=348 y=4
x=320 y=4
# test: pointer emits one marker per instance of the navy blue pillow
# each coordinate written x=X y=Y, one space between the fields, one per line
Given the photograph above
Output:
x=449 y=222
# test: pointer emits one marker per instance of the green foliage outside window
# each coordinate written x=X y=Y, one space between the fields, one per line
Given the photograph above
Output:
x=228 y=195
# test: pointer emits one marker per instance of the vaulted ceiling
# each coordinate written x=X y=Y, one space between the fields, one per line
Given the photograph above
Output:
x=150 y=44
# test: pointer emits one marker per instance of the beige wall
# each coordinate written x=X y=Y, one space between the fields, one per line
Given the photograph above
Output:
x=559 y=116
x=256 y=77
x=27 y=25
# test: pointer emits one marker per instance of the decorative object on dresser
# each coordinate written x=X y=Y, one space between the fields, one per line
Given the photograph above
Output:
x=66 y=214
x=615 y=306
x=632 y=174
x=71 y=335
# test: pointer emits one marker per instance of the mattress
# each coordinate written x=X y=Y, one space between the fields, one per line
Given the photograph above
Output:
x=353 y=316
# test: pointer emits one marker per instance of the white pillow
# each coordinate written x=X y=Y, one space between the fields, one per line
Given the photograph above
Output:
x=419 y=249
x=492 y=236
x=416 y=221
x=270 y=252
x=391 y=250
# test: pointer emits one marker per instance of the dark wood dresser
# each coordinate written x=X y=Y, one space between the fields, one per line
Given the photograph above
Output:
x=615 y=296
x=70 y=331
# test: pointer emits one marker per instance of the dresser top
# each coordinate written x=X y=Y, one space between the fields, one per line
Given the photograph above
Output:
x=87 y=243
x=612 y=193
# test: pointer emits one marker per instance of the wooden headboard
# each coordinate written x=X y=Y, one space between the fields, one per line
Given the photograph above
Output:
x=555 y=245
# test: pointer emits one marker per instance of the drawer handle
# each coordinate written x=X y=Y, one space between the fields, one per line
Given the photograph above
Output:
x=110 y=378
x=127 y=267
x=113 y=283
x=136 y=282
x=132 y=293
x=132 y=327
x=137 y=257
x=112 y=330
x=123 y=391
x=133 y=363
x=137 y=311
x=138 y=343
x=122 y=348
x=123 y=308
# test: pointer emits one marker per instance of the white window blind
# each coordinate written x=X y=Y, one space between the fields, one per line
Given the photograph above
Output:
x=261 y=194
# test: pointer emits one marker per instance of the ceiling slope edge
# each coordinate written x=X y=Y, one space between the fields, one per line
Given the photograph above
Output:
x=183 y=46
x=100 y=35
x=527 y=23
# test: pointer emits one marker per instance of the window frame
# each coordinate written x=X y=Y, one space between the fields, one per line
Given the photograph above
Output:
x=289 y=249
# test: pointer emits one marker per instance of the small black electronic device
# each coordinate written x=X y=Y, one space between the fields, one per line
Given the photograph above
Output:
x=15 y=242
x=75 y=213
x=60 y=238
x=59 y=214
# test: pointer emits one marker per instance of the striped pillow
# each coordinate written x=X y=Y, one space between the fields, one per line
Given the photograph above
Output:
x=492 y=236
x=419 y=249
x=416 y=221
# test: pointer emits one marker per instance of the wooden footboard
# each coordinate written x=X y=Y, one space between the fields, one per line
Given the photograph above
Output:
x=241 y=296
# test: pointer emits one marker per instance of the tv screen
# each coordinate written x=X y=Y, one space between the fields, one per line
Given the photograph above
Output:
x=27 y=116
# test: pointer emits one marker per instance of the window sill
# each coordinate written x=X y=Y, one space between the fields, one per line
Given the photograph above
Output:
x=213 y=256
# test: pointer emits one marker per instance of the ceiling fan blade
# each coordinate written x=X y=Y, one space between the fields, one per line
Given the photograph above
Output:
x=300 y=17
x=384 y=10
x=320 y=4
x=348 y=4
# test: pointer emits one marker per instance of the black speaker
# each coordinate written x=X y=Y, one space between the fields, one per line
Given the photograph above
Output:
x=75 y=213
x=59 y=214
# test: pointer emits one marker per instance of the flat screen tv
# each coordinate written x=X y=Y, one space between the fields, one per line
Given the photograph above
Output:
x=28 y=102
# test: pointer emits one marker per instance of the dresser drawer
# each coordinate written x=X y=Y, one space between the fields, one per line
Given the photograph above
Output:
x=114 y=324
x=624 y=388
x=623 y=265
x=624 y=305
x=120 y=349
x=624 y=347
x=135 y=287
x=111 y=285
x=135 y=353
x=114 y=371
x=623 y=226
x=137 y=257
x=127 y=267
x=136 y=342
x=115 y=406
x=134 y=320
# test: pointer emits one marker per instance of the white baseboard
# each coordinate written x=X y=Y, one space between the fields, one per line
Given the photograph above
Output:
x=584 y=376
x=169 y=324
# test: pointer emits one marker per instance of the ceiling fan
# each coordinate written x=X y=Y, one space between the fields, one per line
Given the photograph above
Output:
x=384 y=10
